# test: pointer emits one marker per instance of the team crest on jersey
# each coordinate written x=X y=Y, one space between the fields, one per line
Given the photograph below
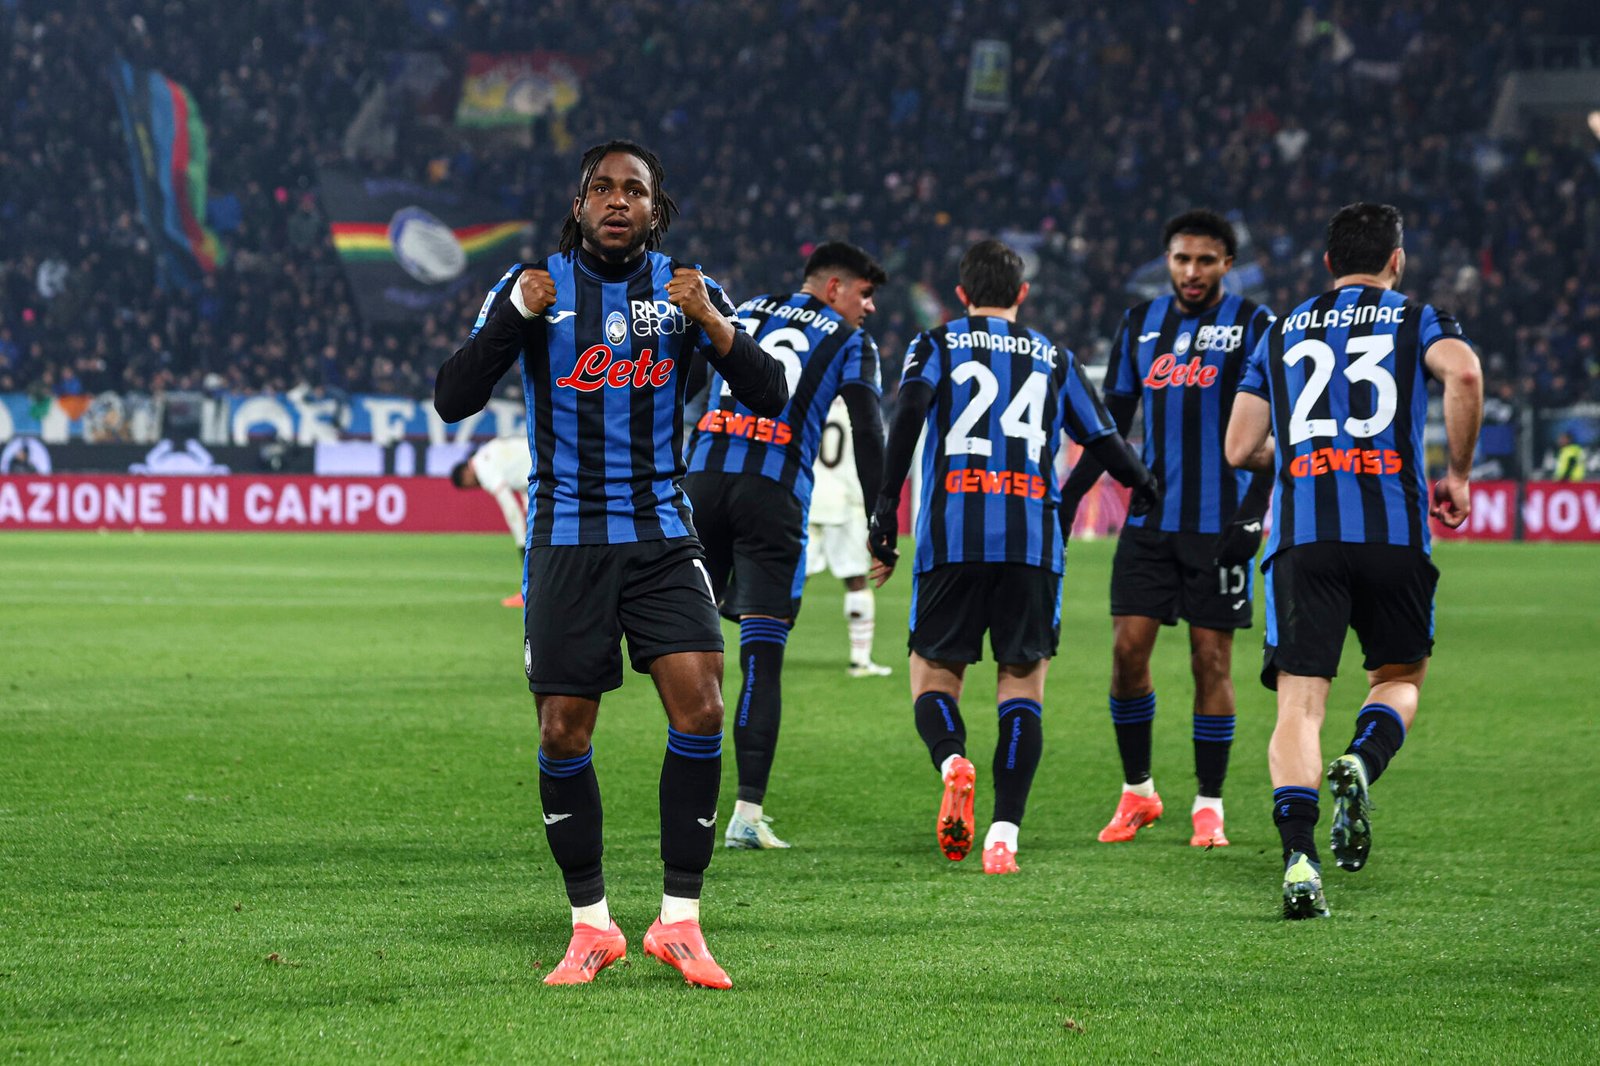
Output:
x=651 y=317
x=616 y=327
x=1181 y=347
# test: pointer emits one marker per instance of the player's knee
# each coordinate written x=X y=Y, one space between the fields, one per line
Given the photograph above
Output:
x=562 y=737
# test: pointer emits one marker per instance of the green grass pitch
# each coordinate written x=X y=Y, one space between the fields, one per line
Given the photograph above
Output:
x=273 y=798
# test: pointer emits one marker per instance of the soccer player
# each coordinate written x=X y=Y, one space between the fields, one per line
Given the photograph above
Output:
x=501 y=468
x=994 y=398
x=836 y=537
x=750 y=480
x=1334 y=400
x=604 y=329
x=1189 y=558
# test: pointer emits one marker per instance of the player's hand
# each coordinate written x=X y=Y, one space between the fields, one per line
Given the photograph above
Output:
x=1452 y=500
x=1146 y=494
x=538 y=290
x=687 y=290
x=883 y=534
x=1240 y=541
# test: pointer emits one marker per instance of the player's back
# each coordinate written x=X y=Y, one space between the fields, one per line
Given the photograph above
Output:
x=1185 y=366
x=1002 y=396
x=819 y=353
x=1345 y=376
x=503 y=462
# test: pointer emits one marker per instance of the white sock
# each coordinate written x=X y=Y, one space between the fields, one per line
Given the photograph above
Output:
x=595 y=914
x=1145 y=788
x=1207 y=803
x=859 y=610
x=1001 y=833
x=944 y=767
x=750 y=812
x=679 y=909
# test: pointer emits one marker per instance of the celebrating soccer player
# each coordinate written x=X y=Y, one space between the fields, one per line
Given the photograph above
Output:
x=750 y=480
x=994 y=398
x=604 y=329
x=1334 y=400
x=1190 y=557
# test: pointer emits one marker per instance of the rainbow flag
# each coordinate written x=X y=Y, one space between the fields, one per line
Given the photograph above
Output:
x=407 y=248
x=167 y=150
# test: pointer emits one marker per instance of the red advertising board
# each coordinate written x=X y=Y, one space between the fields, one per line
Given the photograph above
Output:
x=260 y=504
x=1493 y=516
x=1560 y=510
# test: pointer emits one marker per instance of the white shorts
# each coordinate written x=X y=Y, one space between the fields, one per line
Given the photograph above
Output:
x=839 y=548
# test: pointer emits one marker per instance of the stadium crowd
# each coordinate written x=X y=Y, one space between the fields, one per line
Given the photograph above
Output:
x=788 y=124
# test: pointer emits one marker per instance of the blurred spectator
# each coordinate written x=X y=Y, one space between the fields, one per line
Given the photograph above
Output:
x=1570 y=461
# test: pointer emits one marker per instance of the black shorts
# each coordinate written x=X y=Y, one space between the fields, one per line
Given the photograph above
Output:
x=1168 y=576
x=953 y=605
x=1316 y=591
x=754 y=532
x=584 y=598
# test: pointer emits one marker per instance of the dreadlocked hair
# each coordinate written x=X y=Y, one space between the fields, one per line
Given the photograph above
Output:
x=665 y=207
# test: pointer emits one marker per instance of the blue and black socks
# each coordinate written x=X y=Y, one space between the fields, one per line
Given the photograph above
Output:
x=1379 y=734
x=1295 y=812
x=1016 y=757
x=1132 y=719
x=939 y=723
x=569 y=793
x=760 y=706
x=1213 y=740
x=691 y=777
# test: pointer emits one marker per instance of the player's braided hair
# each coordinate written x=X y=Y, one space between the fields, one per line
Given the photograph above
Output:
x=664 y=206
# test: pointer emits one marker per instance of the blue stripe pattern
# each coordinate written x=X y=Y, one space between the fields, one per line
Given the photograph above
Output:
x=1380 y=708
x=1214 y=727
x=1134 y=711
x=565 y=767
x=763 y=631
x=1020 y=704
x=692 y=746
x=1294 y=792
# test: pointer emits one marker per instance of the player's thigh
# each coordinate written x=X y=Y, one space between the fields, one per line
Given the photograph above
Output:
x=950 y=612
x=768 y=526
x=1214 y=597
x=708 y=496
x=1308 y=612
x=1146 y=577
x=1392 y=603
x=665 y=603
x=571 y=627
x=1024 y=610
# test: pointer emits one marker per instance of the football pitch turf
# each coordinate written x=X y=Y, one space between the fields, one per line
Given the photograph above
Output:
x=274 y=798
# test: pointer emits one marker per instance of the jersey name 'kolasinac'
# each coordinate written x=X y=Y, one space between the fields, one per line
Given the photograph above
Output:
x=1002 y=395
x=605 y=396
x=1345 y=376
x=820 y=354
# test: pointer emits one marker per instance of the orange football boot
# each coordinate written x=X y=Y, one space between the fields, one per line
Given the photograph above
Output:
x=591 y=951
x=682 y=946
x=1134 y=812
x=955 y=810
x=1208 y=830
x=514 y=600
x=1000 y=859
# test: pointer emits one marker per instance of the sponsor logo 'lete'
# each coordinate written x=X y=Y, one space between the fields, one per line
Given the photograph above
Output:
x=598 y=367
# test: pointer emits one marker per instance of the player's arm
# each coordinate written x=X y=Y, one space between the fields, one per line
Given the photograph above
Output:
x=1087 y=470
x=755 y=378
x=866 y=438
x=1248 y=444
x=511 y=320
x=1455 y=364
x=1087 y=421
x=910 y=413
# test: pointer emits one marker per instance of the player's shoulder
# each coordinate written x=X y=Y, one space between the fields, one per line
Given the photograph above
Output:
x=1142 y=310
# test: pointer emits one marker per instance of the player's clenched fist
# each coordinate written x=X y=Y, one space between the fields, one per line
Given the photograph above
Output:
x=687 y=290
x=538 y=291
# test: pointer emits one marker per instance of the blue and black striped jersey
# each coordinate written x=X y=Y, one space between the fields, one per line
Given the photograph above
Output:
x=820 y=355
x=605 y=396
x=1345 y=376
x=1187 y=368
x=1002 y=395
